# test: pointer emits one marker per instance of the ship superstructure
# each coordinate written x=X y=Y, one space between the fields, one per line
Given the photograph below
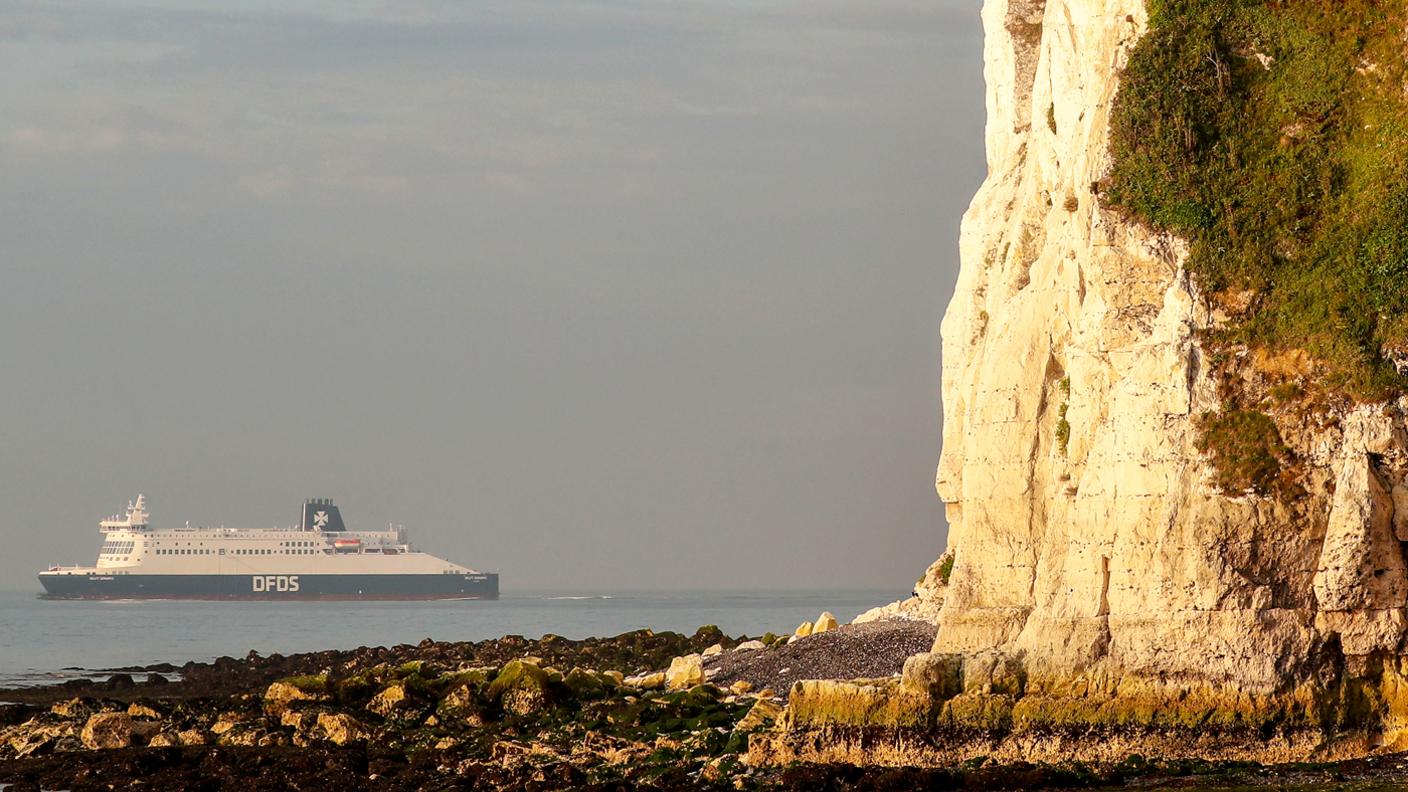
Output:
x=316 y=559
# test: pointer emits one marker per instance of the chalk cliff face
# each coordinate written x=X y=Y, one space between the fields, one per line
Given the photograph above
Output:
x=1100 y=577
x=1086 y=528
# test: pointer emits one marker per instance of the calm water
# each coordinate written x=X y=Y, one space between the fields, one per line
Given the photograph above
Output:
x=43 y=641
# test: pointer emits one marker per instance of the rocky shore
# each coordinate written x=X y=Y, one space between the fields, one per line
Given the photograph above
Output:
x=635 y=710
x=639 y=710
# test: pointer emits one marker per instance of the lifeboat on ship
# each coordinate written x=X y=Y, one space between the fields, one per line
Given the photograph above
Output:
x=347 y=545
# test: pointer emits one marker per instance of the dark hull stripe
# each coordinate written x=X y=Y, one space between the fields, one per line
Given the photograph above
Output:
x=272 y=587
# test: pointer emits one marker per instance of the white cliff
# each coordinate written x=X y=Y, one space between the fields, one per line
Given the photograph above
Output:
x=1099 y=575
x=1101 y=540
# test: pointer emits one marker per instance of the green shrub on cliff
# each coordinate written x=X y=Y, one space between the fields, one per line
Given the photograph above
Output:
x=1246 y=450
x=1273 y=136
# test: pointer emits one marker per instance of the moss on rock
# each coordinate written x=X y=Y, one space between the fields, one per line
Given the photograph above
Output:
x=520 y=687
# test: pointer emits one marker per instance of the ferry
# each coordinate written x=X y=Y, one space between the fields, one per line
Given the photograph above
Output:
x=318 y=559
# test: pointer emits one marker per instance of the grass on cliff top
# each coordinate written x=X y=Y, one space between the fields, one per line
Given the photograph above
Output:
x=1273 y=136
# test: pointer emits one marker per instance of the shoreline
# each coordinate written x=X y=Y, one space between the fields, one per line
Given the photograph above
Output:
x=636 y=710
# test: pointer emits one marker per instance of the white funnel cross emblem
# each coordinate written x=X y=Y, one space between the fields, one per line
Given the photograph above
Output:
x=320 y=519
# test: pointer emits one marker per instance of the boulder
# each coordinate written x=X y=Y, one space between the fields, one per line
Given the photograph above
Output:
x=142 y=711
x=390 y=701
x=716 y=649
x=685 y=672
x=340 y=729
x=39 y=735
x=651 y=681
x=740 y=687
x=763 y=714
x=228 y=721
x=824 y=623
x=520 y=687
x=585 y=684
x=191 y=737
x=279 y=694
x=107 y=730
x=164 y=740
x=750 y=646
x=243 y=737
x=803 y=630
x=144 y=730
x=75 y=708
x=461 y=703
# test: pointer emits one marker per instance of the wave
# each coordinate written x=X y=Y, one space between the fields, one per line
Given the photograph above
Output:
x=579 y=597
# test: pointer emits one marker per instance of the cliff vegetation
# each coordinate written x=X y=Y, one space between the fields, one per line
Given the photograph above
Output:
x=1273 y=136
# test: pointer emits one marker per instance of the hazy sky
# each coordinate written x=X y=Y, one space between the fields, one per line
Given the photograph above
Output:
x=597 y=295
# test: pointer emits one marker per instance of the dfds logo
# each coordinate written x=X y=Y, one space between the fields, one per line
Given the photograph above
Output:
x=287 y=583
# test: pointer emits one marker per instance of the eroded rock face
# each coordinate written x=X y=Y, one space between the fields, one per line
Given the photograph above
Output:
x=1094 y=559
x=1087 y=534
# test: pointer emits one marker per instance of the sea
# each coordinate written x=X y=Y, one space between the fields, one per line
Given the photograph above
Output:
x=47 y=641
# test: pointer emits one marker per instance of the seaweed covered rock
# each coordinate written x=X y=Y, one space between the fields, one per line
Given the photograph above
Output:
x=280 y=694
x=585 y=684
x=461 y=703
x=520 y=687
x=764 y=713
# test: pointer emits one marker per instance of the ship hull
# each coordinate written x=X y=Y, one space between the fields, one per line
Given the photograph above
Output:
x=99 y=586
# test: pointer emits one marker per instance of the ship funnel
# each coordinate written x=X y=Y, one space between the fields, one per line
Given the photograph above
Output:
x=319 y=514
